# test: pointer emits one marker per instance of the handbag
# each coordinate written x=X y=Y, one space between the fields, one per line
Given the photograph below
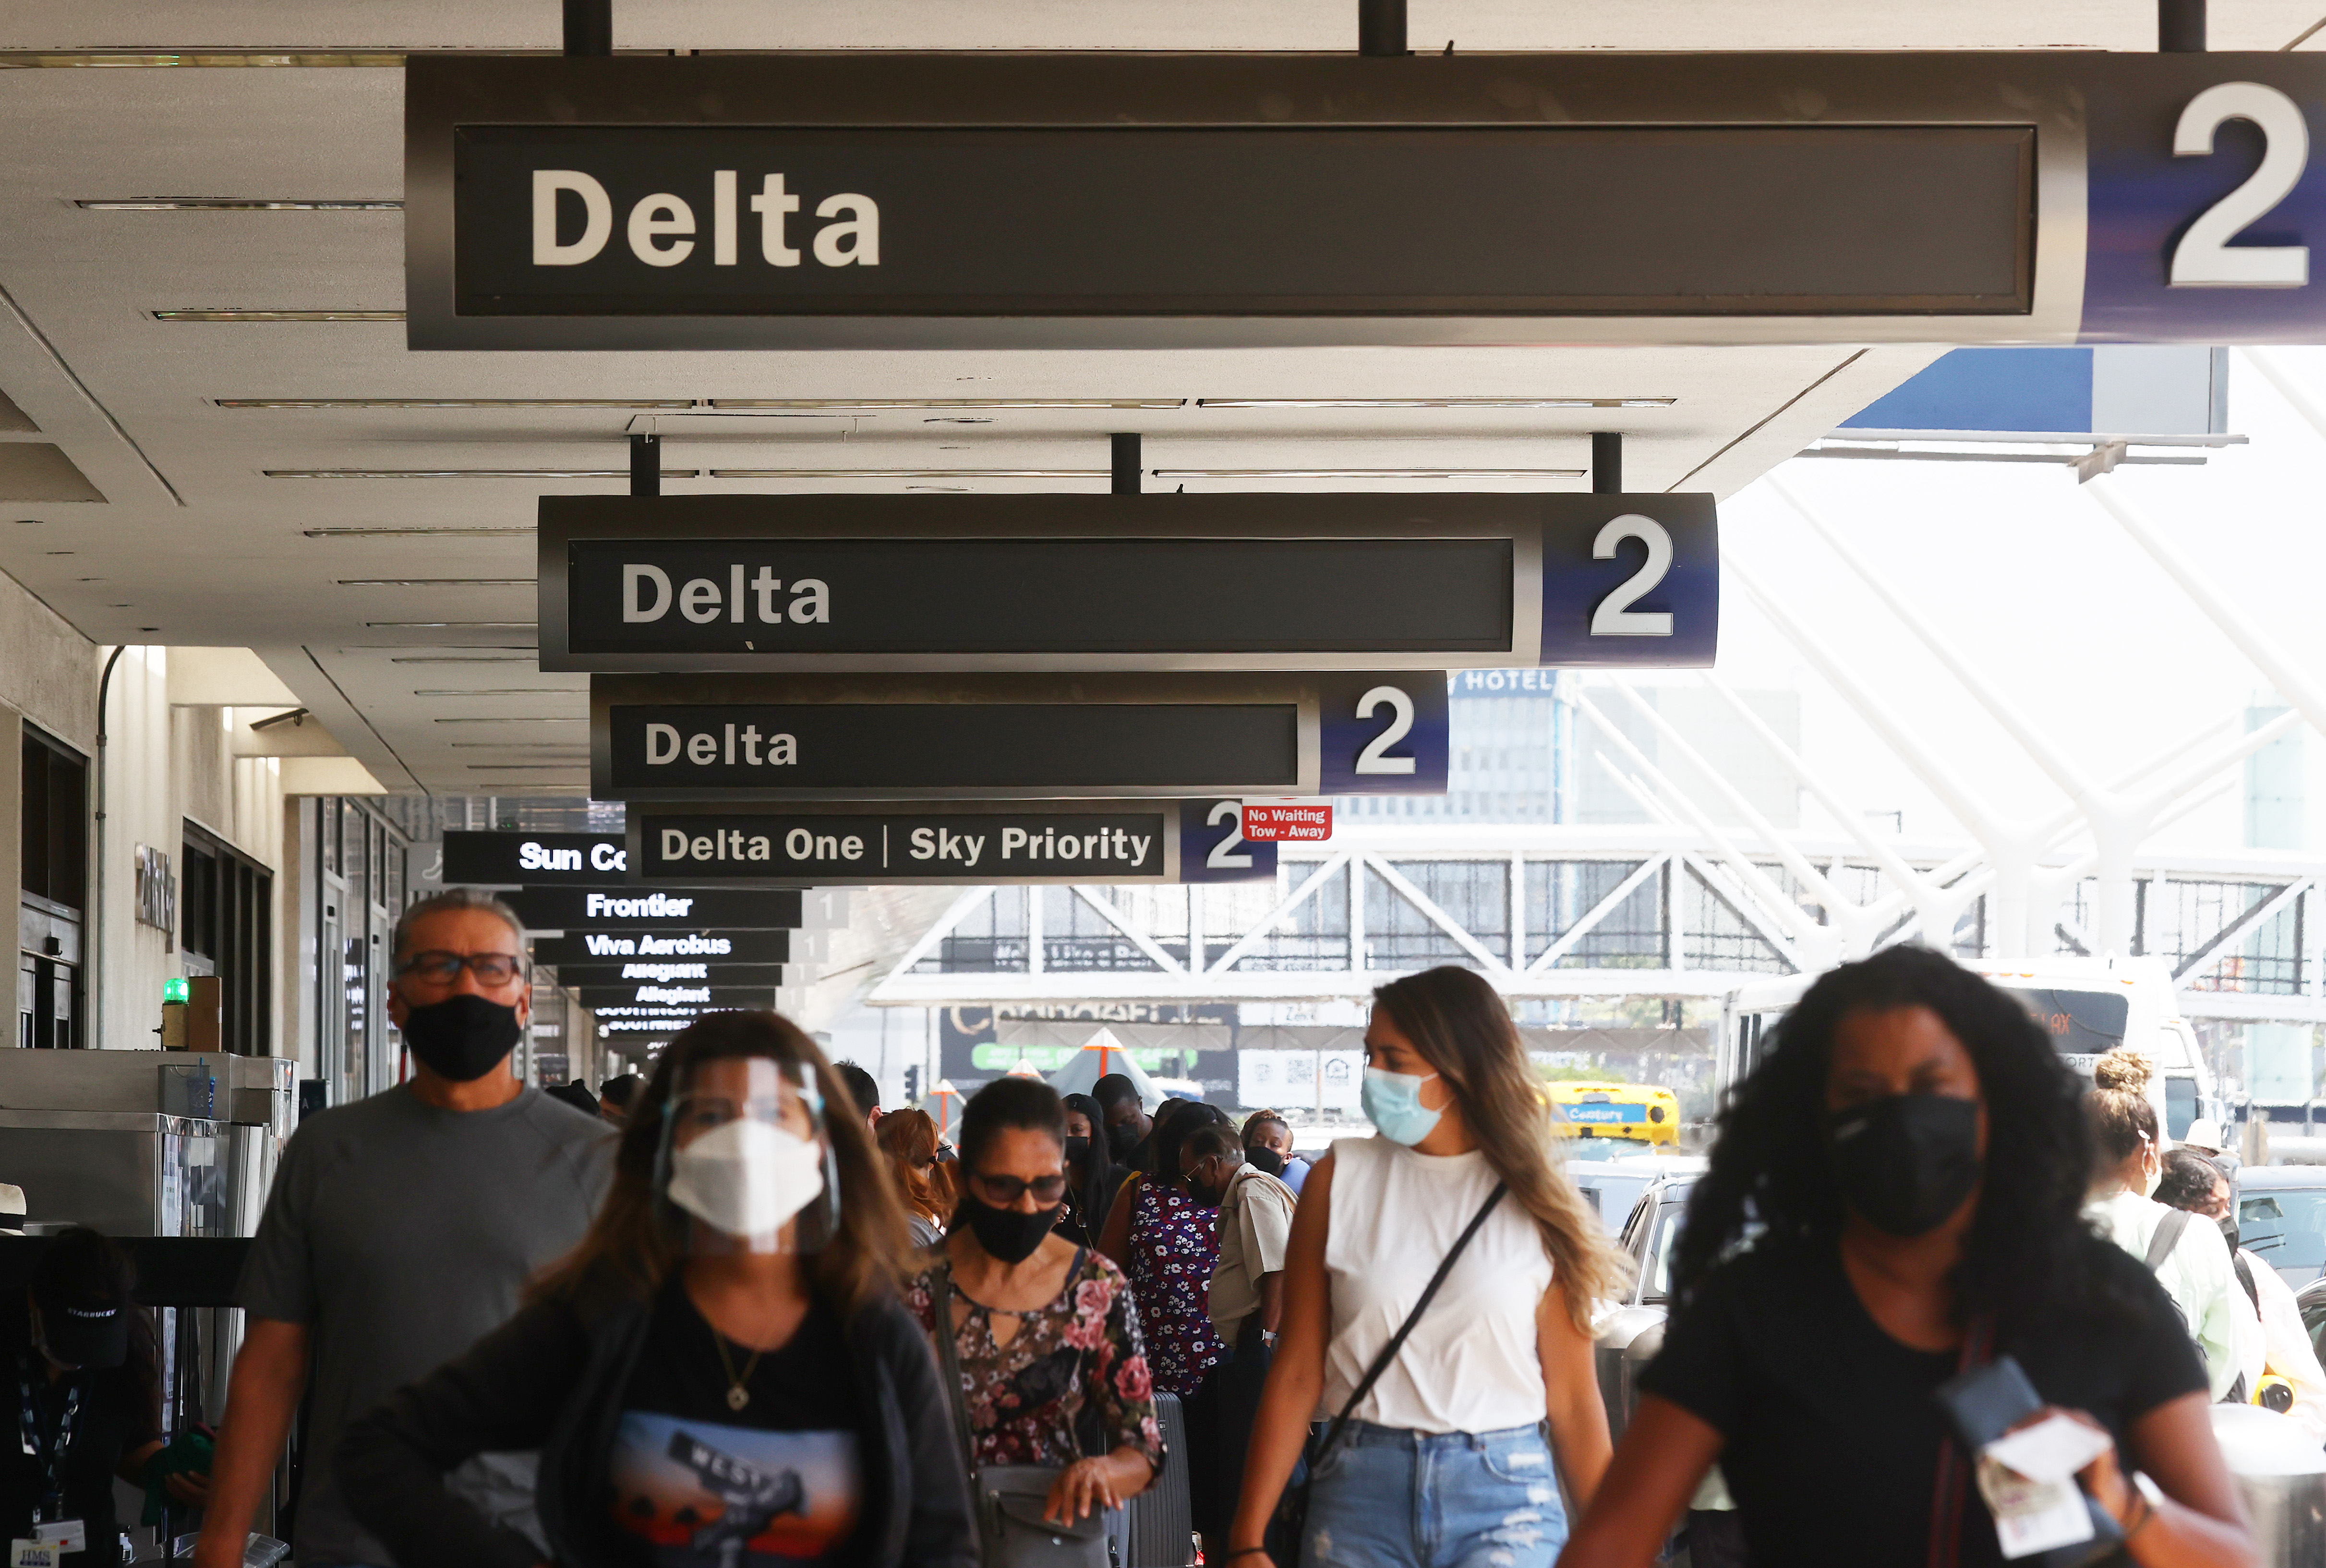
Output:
x=1290 y=1523
x=1009 y=1499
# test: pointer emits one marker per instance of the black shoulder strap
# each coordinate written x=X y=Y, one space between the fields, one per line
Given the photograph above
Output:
x=949 y=1362
x=2167 y=1237
x=1397 y=1341
x=2246 y=1278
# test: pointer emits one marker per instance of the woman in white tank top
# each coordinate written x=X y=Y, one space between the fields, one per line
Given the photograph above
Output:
x=1455 y=1458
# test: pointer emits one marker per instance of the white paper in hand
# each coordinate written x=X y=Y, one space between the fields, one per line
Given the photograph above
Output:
x=2028 y=1480
x=2052 y=1450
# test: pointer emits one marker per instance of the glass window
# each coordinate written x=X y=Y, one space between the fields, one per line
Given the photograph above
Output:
x=2284 y=1228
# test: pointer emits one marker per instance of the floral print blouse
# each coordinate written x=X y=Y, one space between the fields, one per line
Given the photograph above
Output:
x=1175 y=1245
x=1072 y=1383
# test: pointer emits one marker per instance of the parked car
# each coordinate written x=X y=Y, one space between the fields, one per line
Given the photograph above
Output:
x=1613 y=1175
x=2281 y=1219
x=1632 y=1331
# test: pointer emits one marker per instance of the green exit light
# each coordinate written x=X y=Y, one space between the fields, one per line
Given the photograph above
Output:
x=175 y=991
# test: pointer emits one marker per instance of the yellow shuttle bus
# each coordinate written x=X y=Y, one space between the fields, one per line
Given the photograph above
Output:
x=1604 y=1110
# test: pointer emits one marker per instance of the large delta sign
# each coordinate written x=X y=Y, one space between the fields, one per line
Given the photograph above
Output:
x=871 y=737
x=1098 y=583
x=1057 y=200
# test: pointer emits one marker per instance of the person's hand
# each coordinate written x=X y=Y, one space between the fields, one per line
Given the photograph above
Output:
x=2104 y=1479
x=189 y=1487
x=1081 y=1488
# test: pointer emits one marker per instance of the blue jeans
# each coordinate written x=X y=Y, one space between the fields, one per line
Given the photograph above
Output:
x=1392 y=1498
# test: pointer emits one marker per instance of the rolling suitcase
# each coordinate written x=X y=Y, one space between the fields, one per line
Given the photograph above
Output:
x=1162 y=1521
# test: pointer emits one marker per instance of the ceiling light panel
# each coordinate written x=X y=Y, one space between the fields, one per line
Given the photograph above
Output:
x=466 y=659
x=466 y=473
x=845 y=405
x=236 y=204
x=1435 y=402
x=1361 y=473
x=436 y=582
x=235 y=315
x=444 y=625
x=910 y=472
x=391 y=533
x=394 y=403
x=503 y=691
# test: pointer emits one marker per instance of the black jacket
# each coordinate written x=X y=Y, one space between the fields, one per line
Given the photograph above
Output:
x=553 y=1378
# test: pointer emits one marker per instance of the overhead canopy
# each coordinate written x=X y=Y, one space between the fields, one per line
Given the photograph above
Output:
x=1102 y=1054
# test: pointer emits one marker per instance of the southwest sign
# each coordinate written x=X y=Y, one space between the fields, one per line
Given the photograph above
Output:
x=1054 y=200
x=923 y=583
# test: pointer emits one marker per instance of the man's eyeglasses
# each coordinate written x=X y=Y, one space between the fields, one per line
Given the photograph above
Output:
x=1003 y=1192
x=444 y=969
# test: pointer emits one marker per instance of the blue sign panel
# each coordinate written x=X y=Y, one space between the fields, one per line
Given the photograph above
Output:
x=1642 y=587
x=1382 y=735
x=1214 y=849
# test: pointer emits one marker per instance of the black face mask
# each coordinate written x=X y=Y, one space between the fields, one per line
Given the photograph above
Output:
x=1007 y=1235
x=1905 y=1161
x=1077 y=1151
x=1123 y=1137
x=1262 y=1158
x=463 y=1038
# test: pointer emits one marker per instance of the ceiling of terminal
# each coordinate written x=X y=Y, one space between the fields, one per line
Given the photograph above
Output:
x=400 y=606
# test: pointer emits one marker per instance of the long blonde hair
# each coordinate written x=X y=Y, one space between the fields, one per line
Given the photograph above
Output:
x=1462 y=1028
x=635 y=1245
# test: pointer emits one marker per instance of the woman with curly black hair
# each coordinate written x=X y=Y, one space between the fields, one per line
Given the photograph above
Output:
x=1896 y=1196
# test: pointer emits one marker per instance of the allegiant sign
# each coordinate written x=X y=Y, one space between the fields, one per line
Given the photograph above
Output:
x=1057 y=200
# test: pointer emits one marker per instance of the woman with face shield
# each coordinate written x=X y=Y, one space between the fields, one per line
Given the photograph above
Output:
x=1038 y=1332
x=723 y=1374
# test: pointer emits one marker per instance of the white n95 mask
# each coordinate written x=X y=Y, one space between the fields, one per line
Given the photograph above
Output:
x=747 y=1177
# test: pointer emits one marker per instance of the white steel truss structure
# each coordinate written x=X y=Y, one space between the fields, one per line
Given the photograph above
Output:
x=1576 y=912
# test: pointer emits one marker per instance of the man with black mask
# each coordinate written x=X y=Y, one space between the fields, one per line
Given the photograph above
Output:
x=402 y=1229
x=1128 y=1125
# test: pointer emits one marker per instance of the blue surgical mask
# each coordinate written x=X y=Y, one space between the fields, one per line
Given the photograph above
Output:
x=1393 y=1101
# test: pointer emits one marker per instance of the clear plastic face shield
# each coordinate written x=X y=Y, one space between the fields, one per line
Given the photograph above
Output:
x=745 y=1165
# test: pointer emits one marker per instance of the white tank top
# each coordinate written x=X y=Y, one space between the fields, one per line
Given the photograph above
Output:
x=1471 y=1363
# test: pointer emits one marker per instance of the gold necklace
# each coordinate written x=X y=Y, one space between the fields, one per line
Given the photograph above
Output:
x=738 y=1395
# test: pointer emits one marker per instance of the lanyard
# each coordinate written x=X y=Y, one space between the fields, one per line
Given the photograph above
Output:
x=32 y=1434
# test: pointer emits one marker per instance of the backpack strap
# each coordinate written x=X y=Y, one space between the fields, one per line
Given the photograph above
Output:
x=2246 y=1278
x=2167 y=1237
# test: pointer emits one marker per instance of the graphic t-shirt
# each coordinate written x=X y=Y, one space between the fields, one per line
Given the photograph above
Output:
x=698 y=1484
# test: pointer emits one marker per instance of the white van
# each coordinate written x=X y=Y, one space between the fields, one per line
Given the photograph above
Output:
x=2087 y=1006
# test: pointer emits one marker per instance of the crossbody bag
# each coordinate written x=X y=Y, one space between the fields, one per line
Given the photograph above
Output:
x=1010 y=1498
x=1291 y=1521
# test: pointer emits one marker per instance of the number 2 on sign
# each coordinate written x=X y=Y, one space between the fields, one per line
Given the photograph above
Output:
x=2204 y=258
x=1222 y=857
x=1375 y=757
x=1615 y=617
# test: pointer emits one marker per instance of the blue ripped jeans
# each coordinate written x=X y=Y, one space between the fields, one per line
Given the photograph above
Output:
x=1391 y=1499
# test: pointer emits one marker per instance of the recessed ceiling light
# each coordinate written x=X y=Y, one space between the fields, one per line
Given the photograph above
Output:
x=452 y=402
x=465 y=473
x=436 y=582
x=134 y=59
x=1368 y=473
x=499 y=691
x=236 y=204
x=518 y=746
x=514 y=719
x=58 y=552
x=843 y=404
x=359 y=533
x=222 y=315
x=496 y=625
x=466 y=659
x=910 y=472
x=1435 y=402
x=523 y=768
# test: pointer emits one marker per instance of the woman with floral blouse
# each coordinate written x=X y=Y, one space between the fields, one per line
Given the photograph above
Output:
x=1052 y=1368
